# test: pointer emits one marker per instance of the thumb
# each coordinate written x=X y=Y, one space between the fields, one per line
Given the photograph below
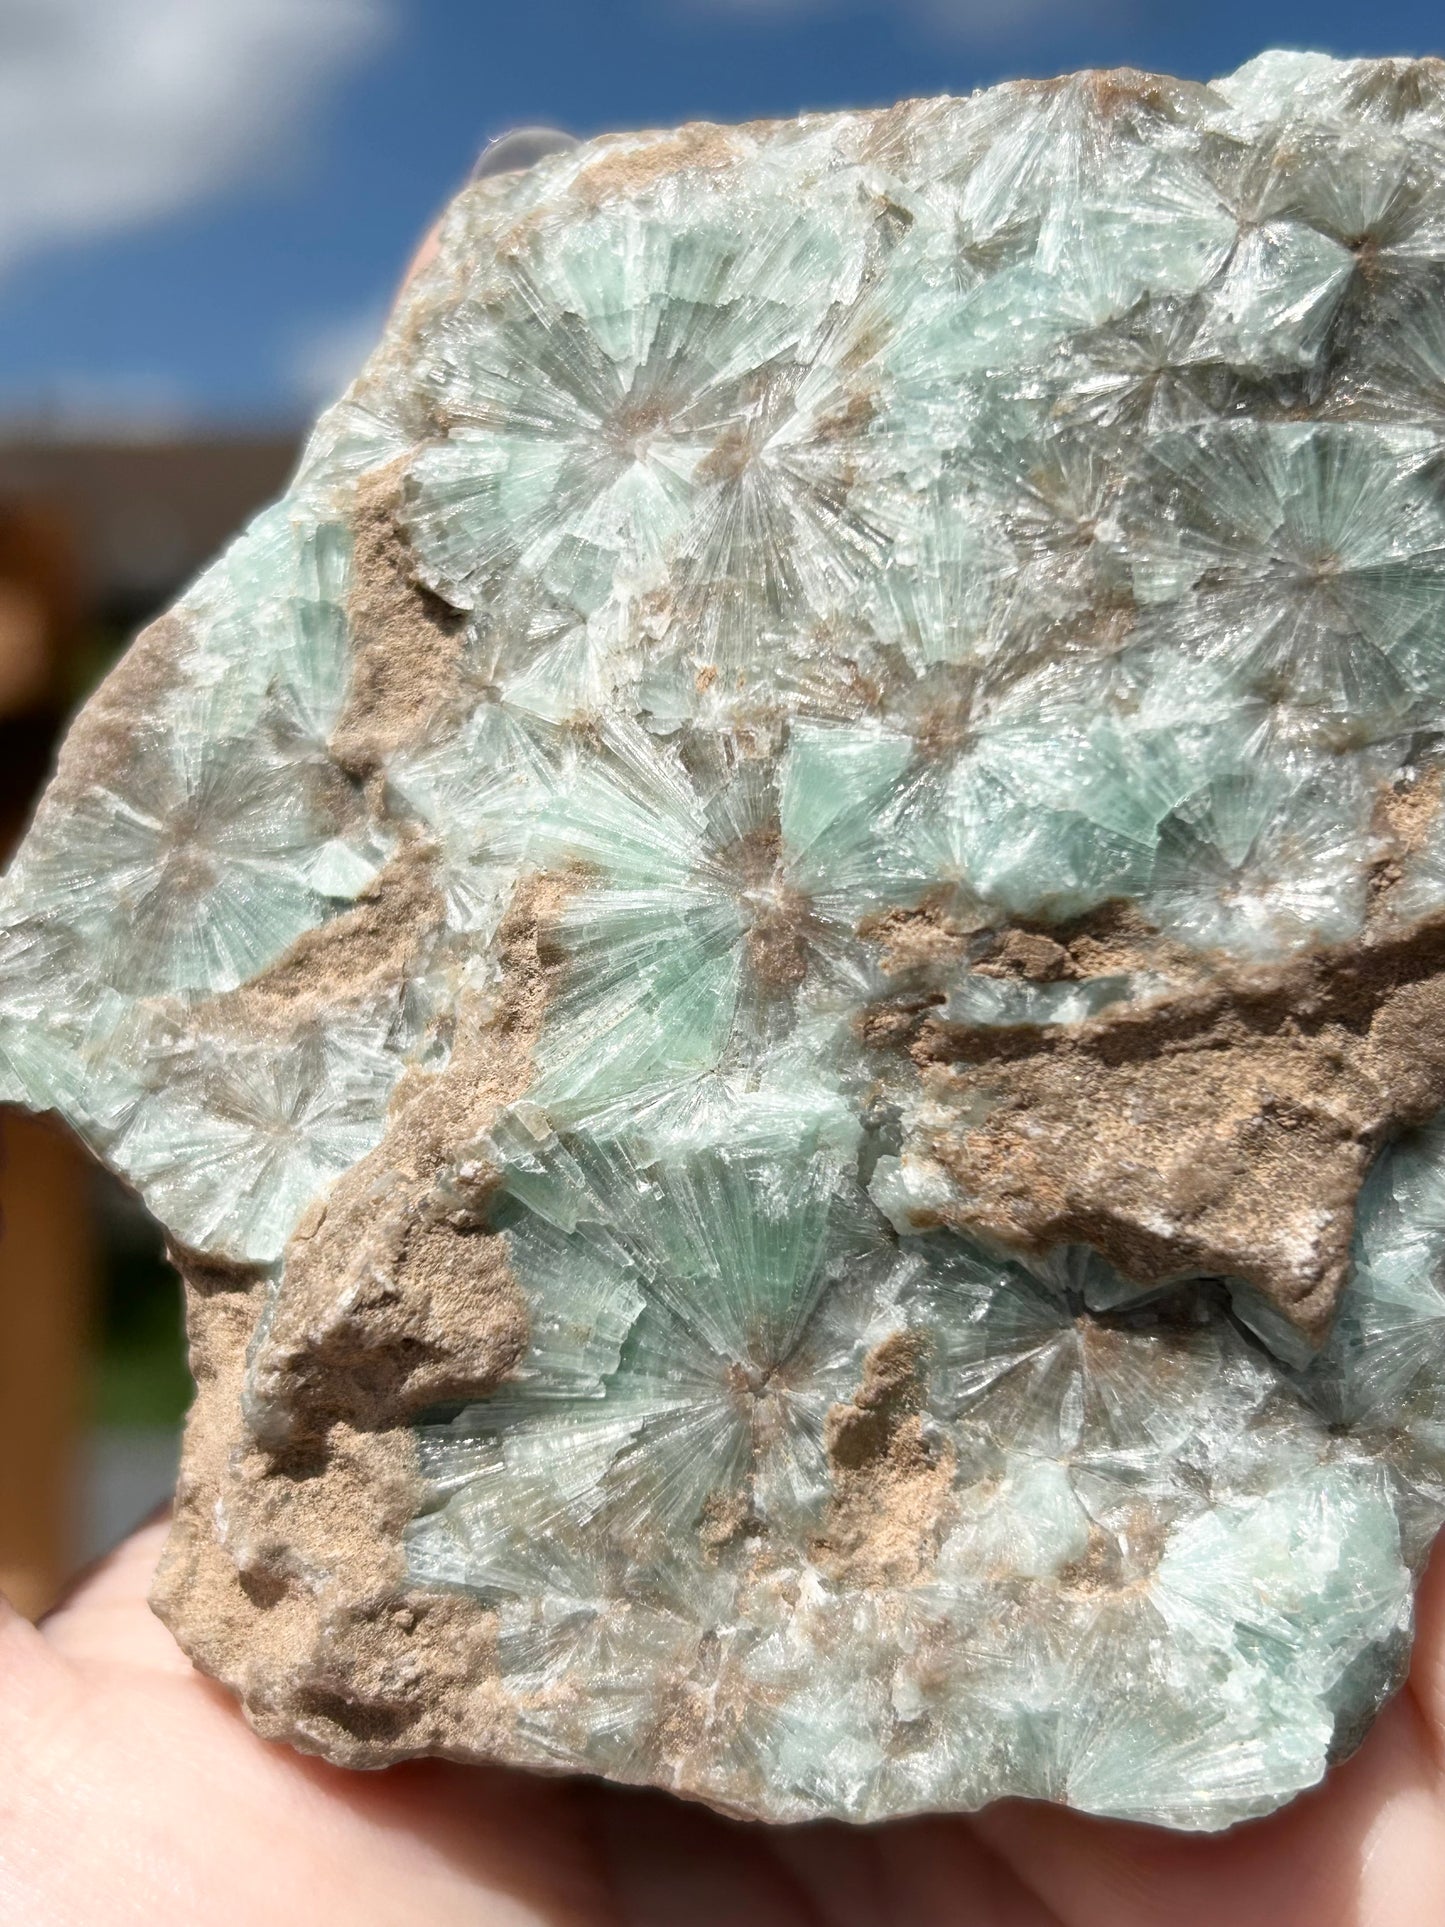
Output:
x=104 y=1619
x=1427 y=1666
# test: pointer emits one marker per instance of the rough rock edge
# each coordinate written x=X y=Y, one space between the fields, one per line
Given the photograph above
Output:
x=101 y=743
x=283 y=1575
x=1166 y=1134
x=304 y=1610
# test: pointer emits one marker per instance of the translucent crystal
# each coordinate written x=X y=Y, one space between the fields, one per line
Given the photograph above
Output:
x=777 y=953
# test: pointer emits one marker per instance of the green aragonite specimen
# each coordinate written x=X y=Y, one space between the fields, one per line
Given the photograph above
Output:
x=776 y=953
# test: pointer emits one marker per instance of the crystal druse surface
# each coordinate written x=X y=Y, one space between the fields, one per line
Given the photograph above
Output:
x=777 y=955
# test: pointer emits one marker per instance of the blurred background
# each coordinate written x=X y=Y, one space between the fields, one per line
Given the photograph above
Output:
x=204 y=207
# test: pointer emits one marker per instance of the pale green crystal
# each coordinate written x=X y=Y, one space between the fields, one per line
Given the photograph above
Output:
x=932 y=528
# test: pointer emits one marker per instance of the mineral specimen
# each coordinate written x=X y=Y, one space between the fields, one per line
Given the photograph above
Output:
x=777 y=955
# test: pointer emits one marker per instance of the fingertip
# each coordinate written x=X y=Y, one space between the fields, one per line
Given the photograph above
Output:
x=423 y=257
x=1427 y=1666
x=105 y=1614
x=522 y=147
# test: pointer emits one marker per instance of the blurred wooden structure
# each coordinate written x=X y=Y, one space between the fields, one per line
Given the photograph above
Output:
x=94 y=537
x=44 y=1261
x=45 y=1274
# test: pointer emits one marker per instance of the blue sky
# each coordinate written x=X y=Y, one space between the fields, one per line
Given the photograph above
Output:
x=203 y=203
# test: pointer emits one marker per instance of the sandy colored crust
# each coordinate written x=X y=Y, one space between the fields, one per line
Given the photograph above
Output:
x=100 y=746
x=1221 y=1130
x=283 y=1576
x=891 y=1488
x=625 y=167
x=407 y=642
x=298 y=1602
x=360 y=954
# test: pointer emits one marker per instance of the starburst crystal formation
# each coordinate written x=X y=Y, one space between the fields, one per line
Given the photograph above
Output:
x=776 y=953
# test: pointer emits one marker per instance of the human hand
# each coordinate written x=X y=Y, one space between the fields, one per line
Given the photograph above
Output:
x=132 y=1791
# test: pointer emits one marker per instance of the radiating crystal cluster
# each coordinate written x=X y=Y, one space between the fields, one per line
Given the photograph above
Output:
x=777 y=953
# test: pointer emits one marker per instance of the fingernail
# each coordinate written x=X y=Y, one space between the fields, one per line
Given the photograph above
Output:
x=522 y=148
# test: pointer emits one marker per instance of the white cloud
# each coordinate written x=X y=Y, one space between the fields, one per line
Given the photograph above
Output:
x=983 y=22
x=117 y=112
